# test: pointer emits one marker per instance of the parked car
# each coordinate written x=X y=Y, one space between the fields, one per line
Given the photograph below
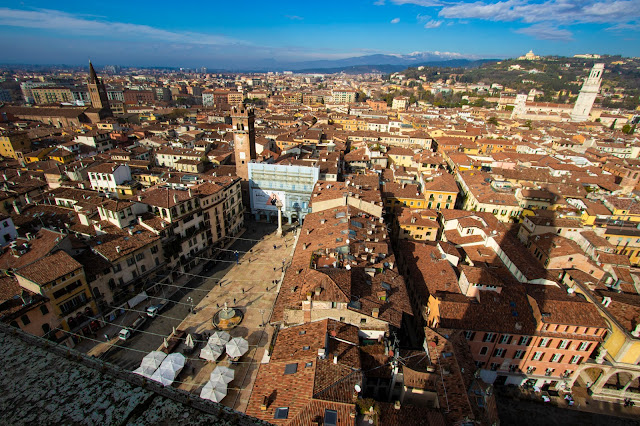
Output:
x=154 y=310
x=126 y=332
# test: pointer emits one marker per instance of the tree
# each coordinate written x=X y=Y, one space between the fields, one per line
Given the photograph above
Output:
x=493 y=120
x=613 y=125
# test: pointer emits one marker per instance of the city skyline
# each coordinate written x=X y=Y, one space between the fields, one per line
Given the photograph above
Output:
x=281 y=33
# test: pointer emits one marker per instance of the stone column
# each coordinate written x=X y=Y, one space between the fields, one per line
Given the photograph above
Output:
x=279 y=206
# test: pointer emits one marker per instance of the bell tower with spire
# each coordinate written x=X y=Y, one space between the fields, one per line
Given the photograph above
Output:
x=97 y=91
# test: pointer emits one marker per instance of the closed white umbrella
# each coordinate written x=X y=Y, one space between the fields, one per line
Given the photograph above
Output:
x=145 y=371
x=189 y=340
x=219 y=338
x=226 y=374
x=237 y=347
x=213 y=393
x=153 y=359
x=211 y=352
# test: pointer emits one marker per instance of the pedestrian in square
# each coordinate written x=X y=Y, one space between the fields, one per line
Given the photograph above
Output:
x=242 y=290
x=275 y=247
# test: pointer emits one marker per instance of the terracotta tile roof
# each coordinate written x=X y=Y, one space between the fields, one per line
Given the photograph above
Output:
x=45 y=242
x=165 y=197
x=116 y=243
x=559 y=307
x=49 y=268
x=505 y=312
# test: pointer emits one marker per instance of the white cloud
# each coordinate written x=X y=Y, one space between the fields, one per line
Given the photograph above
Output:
x=395 y=20
x=294 y=17
x=558 y=12
x=546 y=32
x=75 y=24
x=379 y=3
x=433 y=24
x=565 y=11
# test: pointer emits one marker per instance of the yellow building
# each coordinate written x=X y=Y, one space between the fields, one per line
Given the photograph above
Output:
x=402 y=195
x=440 y=192
x=351 y=123
x=400 y=156
x=38 y=155
x=612 y=372
x=62 y=156
x=420 y=225
x=626 y=239
x=11 y=142
x=61 y=279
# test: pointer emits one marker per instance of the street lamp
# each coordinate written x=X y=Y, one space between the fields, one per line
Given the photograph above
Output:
x=190 y=300
x=262 y=314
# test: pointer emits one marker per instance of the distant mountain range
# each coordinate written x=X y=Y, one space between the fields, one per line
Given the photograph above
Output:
x=378 y=62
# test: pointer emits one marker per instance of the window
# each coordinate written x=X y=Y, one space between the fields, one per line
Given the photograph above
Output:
x=330 y=417
x=563 y=344
x=519 y=354
x=469 y=335
x=494 y=366
x=290 y=369
x=537 y=356
x=139 y=256
x=489 y=337
x=530 y=370
x=524 y=341
x=309 y=364
x=483 y=350
x=130 y=261
x=499 y=353
x=576 y=359
x=363 y=320
x=44 y=309
x=584 y=346
x=544 y=342
x=281 y=413
x=556 y=358
x=25 y=320
x=505 y=339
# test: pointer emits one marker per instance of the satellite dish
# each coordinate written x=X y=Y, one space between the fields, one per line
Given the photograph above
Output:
x=358 y=388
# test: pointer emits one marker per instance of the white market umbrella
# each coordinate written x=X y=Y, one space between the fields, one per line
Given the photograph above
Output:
x=226 y=374
x=213 y=393
x=164 y=376
x=153 y=359
x=145 y=371
x=174 y=361
x=211 y=352
x=219 y=338
x=237 y=347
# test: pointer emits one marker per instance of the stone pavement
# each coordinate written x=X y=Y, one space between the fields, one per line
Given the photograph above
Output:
x=250 y=287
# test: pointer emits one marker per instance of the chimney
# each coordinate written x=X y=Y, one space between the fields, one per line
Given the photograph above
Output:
x=375 y=312
x=175 y=198
x=118 y=249
x=335 y=359
x=606 y=301
x=636 y=331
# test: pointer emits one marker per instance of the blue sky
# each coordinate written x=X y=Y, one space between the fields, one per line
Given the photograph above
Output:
x=222 y=34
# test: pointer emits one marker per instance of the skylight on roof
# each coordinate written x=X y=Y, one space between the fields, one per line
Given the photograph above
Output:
x=281 y=413
x=290 y=369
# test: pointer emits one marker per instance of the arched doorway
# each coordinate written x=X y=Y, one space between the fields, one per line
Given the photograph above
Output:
x=617 y=381
x=589 y=376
